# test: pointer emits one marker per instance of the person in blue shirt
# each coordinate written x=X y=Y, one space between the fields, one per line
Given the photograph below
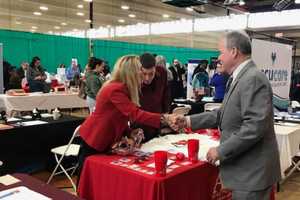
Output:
x=73 y=69
x=219 y=81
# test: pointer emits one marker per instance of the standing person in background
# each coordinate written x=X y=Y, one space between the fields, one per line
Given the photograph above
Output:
x=155 y=94
x=93 y=80
x=106 y=71
x=200 y=82
x=36 y=76
x=161 y=62
x=177 y=82
x=218 y=81
x=248 y=150
x=6 y=74
x=73 y=69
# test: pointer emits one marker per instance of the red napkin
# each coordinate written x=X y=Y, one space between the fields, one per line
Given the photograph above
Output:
x=160 y=159
x=193 y=149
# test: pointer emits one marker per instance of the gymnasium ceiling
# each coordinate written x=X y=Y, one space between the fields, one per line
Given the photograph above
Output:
x=63 y=15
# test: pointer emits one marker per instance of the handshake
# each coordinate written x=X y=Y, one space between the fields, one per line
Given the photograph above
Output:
x=175 y=121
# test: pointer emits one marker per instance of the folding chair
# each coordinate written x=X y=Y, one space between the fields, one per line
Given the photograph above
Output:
x=295 y=167
x=66 y=150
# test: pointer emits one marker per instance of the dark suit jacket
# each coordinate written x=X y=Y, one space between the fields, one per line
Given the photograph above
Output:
x=248 y=150
x=109 y=122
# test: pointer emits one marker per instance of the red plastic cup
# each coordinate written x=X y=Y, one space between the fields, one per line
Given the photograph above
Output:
x=193 y=149
x=160 y=159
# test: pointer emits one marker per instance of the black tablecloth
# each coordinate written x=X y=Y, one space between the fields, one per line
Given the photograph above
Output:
x=22 y=148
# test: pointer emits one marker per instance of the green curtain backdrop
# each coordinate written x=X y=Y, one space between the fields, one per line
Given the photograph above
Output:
x=53 y=50
x=112 y=50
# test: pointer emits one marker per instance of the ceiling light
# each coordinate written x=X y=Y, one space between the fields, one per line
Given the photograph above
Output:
x=80 y=14
x=121 y=20
x=56 y=27
x=108 y=26
x=63 y=24
x=37 y=13
x=33 y=30
x=88 y=0
x=43 y=8
x=50 y=32
x=34 y=27
x=75 y=29
x=88 y=21
x=165 y=16
x=80 y=6
x=131 y=15
x=124 y=7
x=190 y=9
x=18 y=22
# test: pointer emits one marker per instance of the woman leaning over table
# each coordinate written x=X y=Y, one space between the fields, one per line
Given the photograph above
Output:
x=94 y=81
x=116 y=104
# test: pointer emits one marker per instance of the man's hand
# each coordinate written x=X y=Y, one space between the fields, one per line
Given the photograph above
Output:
x=212 y=155
x=176 y=122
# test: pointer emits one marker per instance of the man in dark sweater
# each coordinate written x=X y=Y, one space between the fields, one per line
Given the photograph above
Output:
x=155 y=95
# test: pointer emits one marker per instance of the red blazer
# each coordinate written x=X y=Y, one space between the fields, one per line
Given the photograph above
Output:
x=109 y=121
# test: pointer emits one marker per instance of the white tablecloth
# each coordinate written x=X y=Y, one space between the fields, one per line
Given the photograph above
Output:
x=165 y=144
x=44 y=101
x=288 y=138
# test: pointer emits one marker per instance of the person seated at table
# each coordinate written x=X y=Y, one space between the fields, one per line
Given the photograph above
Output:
x=94 y=81
x=36 y=76
x=22 y=70
x=117 y=105
x=14 y=79
x=155 y=94
x=219 y=81
x=73 y=69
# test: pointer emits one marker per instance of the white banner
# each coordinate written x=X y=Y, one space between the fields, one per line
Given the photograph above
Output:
x=275 y=60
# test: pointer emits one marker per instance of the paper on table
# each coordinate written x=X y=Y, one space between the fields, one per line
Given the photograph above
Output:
x=21 y=193
x=46 y=115
x=27 y=117
x=13 y=119
x=8 y=180
x=35 y=122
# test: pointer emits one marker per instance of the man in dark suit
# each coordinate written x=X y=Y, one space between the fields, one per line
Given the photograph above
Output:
x=248 y=152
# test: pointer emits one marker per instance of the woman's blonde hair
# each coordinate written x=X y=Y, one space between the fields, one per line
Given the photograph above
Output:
x=127 y=70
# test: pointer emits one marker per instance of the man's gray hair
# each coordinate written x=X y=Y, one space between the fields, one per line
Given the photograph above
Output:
x=239 y=40
x=160 y=61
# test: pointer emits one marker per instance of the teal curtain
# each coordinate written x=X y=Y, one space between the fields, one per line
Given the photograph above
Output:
x=112 y=50
x=53 y=50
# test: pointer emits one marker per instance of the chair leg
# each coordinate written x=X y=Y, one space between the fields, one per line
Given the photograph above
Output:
x=66 y=173
x=55 y=169
x=75 y=168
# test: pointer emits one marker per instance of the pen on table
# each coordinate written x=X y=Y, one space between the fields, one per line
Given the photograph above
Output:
x=9 y=194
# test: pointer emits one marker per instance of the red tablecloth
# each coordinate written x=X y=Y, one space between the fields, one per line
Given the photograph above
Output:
x=100 y=179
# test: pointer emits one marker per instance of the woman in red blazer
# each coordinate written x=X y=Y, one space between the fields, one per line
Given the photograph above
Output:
x=117 y=103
